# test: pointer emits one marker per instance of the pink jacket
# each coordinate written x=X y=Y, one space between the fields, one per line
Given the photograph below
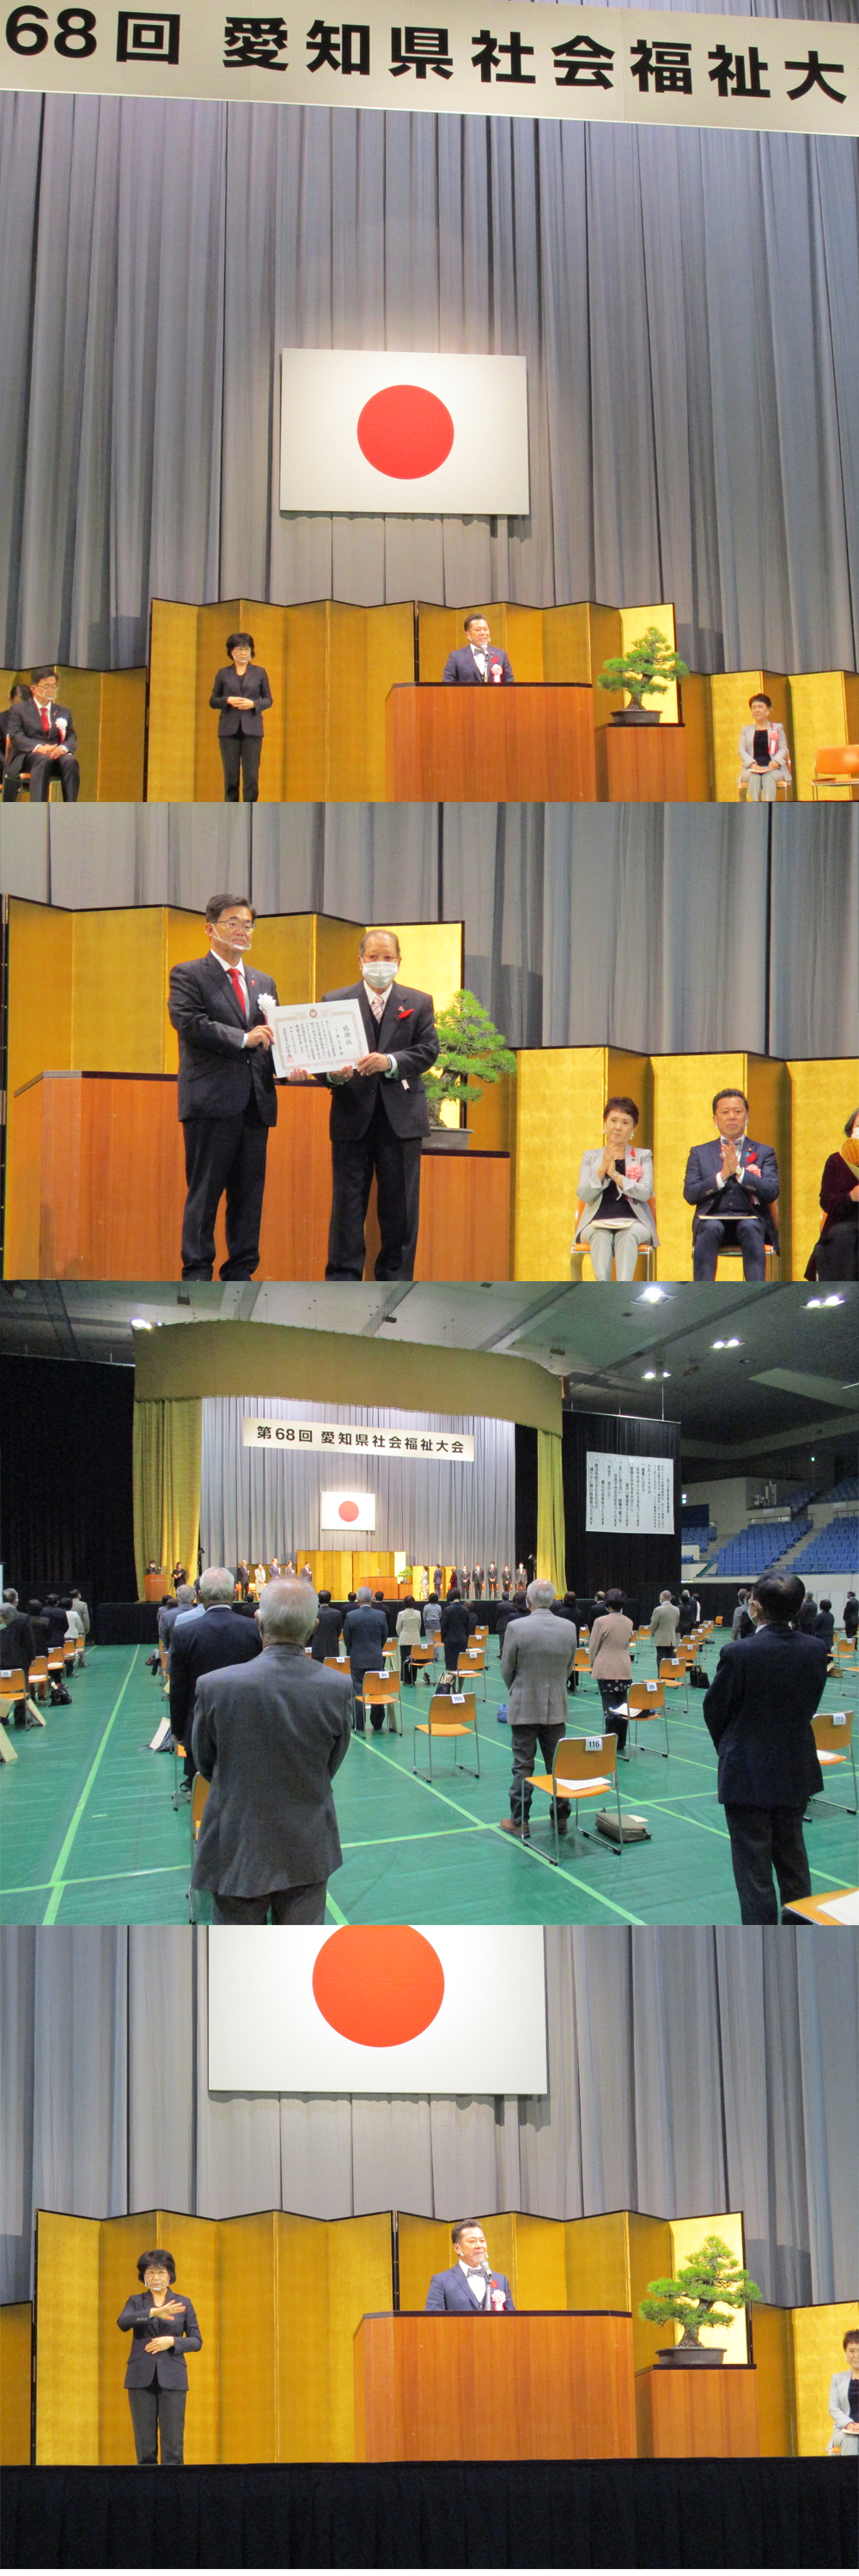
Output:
x=609 y=1647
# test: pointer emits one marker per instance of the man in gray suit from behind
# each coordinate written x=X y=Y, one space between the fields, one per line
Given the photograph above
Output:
x=537 y=1655
x=270 y=1736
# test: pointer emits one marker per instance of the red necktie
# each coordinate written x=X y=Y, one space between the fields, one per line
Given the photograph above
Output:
x=236 y=981
x=46 y=720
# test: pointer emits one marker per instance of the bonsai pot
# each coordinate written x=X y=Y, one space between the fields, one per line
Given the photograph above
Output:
x=691 y=2356
x=447 y=1140
x=637 y=715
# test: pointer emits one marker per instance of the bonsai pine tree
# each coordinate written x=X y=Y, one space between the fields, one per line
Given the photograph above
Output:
x=471 y=1053
x=706 y=2292
x=646 y=670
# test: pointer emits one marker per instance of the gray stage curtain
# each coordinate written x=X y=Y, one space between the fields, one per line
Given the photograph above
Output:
x=690 y=2071
x=259 y=1505
x=686 y=301
x=627 y=925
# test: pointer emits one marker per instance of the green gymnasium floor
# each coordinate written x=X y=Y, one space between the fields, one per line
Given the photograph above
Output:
x=90 y=1835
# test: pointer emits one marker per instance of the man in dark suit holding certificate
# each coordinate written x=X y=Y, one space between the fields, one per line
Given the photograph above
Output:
x=733 y=1186
x=379 y=1116
x=227 y=1098
x=478 y=663
x=470 y=2288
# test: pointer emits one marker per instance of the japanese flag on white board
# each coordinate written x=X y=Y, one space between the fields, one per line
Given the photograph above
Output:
x=388 y=430
x=347 y=1510
x=377 y=2008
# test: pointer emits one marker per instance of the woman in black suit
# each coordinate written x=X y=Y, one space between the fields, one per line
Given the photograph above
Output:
x=836 y=1252
x=156 y=2377
x=242 y=697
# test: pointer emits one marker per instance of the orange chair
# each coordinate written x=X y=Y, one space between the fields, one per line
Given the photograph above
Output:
x=472 y=1661
x=645 y=1700
x=199 y=1794
x=13 y=1690
x=674 y=1673
x=382 y=1690
x=837 y=767
x=578 y=1250
x=37 y=1677
x=583 y=1767
x=420 y=1656
x=582 y=1662
x=440 y=1721
x=833 y=1735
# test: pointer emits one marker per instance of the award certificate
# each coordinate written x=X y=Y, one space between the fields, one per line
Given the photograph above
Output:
x=323 y=1036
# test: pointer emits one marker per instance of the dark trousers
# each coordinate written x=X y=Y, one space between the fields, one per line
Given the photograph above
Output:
x=241 y=751
x=41 y=772
x=396 y=1161
x=284 y=1904
x=153 y=2407
x=377 y=1718
x=837 y=1257
x=525 y=1742
x=224 y=1154
x=610 y=1693
x=764 y=1839
x=747 y=1231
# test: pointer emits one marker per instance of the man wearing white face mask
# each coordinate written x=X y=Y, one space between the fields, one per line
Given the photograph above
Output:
x=379 y=1116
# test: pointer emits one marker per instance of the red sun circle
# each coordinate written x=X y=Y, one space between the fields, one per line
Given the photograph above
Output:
x=347 y=1511
x=378 y=1983
x=405 y=431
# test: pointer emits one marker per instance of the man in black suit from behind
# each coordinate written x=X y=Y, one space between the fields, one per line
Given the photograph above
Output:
x=242 y=696
x=379 y=1116
x=41 y=739
x=227 y=1098
x=759 y=1707
x=206 y=1645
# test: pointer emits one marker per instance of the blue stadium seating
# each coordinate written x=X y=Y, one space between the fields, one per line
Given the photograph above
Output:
x=846 y=1491
x=833 y=1550
x=759 y=1546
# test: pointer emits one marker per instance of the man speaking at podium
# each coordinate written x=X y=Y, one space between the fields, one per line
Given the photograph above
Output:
x=470 y=2288
x=227 y=1098
x=479 y=663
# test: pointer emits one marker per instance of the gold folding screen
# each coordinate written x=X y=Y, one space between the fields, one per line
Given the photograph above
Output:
x=279 y=2298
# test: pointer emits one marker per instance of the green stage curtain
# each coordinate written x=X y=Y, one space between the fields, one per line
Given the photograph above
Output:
x=551 y=1534
x=168 y=1438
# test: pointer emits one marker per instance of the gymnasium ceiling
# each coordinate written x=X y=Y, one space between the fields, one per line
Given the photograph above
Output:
x=792 y=1375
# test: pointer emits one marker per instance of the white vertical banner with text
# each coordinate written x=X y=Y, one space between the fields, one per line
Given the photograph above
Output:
x=632 y=1496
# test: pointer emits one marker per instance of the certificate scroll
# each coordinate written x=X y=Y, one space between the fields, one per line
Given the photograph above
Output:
x=323 y=1036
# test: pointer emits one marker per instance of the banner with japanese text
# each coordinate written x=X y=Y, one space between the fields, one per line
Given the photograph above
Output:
x=267 y=1435
x=627 y=1494
x=620 y=66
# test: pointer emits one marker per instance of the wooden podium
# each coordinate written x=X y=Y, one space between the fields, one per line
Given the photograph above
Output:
x=155 y=1585
x=698 y=2414
x=96 y=1187
x=530 y=744
x=641 y=764
x=536 y=2386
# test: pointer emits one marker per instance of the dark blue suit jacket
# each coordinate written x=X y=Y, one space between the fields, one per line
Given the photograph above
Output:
x=206 y=1645
x=407 y=1030
x=759 y=1709
x=217 y=1073
x=760 y=1185
x=365 y=1631
x=167 y=2367
x=451 y=2291
x=461 y=666
x=227 y=684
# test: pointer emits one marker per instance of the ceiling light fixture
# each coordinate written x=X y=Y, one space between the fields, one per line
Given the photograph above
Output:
x=651 y=1296
x=141 y=1324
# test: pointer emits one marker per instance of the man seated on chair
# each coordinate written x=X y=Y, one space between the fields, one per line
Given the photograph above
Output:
x=42 y=742
x=615 y=1186
x=764 y=755
x=537 y=1657
x=470 y=2287
x=478 y=662
x=732 y=1185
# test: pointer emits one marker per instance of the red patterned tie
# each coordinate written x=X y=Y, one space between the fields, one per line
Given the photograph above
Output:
x=236 y=981
x=46 y=720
